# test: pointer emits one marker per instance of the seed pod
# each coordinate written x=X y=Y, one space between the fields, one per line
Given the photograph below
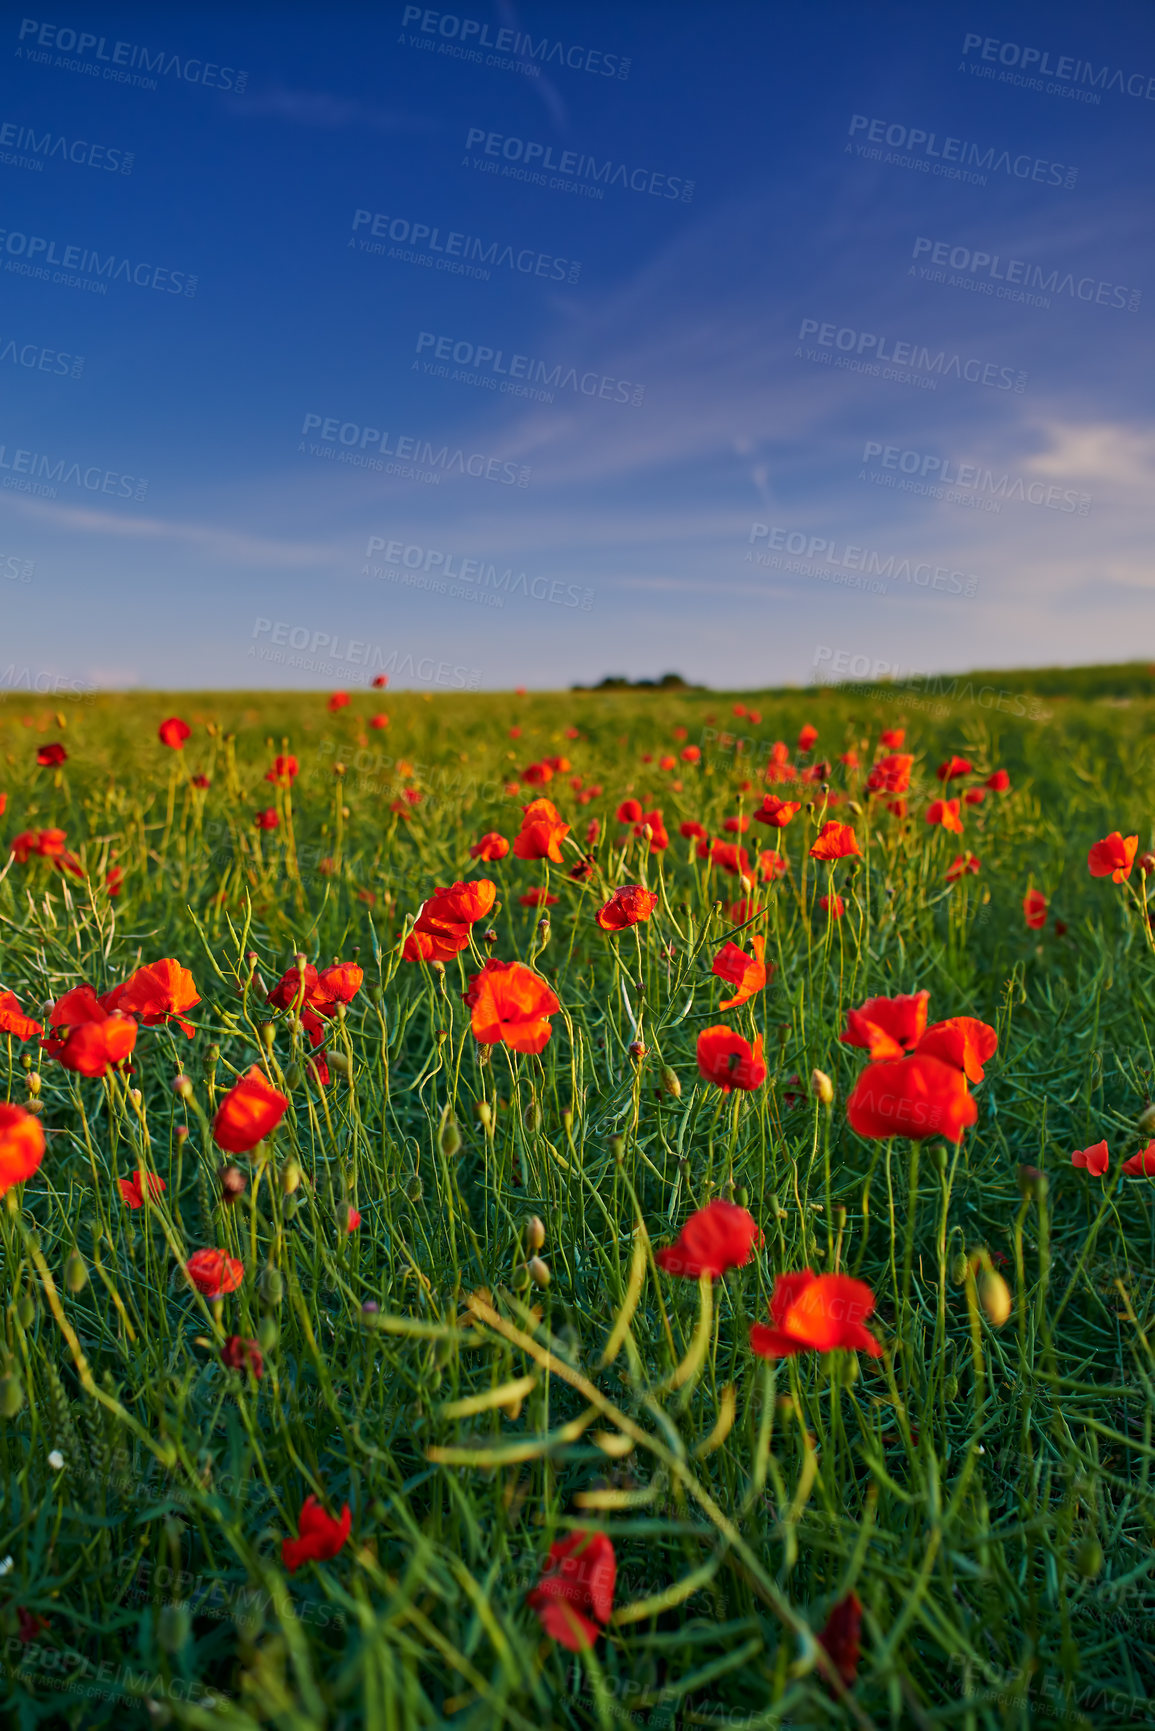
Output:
x=268 y=1330
x=75 y=1272
x=26 y=1310
x=637 y=1050
x=271 y=1285
x=449 y=1136
x=290 y=1176
x=341 y=1063
x=822 y=1087
x=267 y=1033
x=11 y=1396
x=670 y=1082
x=535 y=1232
x=1147 y=1120
x=538 y=1271
x=995 y=1297
x=531 y=1117
x=414 y=1189
x=1089 y=1557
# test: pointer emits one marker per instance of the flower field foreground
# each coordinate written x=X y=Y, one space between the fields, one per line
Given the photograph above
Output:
x=517 y=1212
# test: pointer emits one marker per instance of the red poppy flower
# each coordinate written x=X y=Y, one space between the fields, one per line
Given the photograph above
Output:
x=893 y=738
x=807 y=737
x=849 y=759
x=462 y=904
x=652 y=820
x=834 y=905
x=691 y=754
x=491 y=847
x=776 y=812
x=952 y=767
x=1035 y=909
x=214 y=1272
x=816 y=1313
x=267 y=819
x=736 y=825
x=729 y=1061
x=420 y=947
x=726 y=854
x=352 y=1218
x=537 y=774
x=816 y=772
x=21 y=1146
x=338 y=984
x=890 y=774
x=974 y=795
x=339 y=700
x=249 y=1112
x=49 y=756
x=966 y=862
x=114 y=881
x=963 y=1041
x=842 y=1636
x=199 y=781
x=1141 y=1165
x=92 y=1048
x=13 y=1021
x=320 y=1536
x=576 y=1591
x=1113 y=857
x=999 y=782
x=887 y=1027
x=283 y=772
x=160 y=992
x=667 y=762
x=173 y=733
x=772 y=865
x=837 y=841
x=714 y=1238
x=946 y=812
x=1094 y=1160
x=509 y=1002
x=629 y=811
x=378 y=722
x=748 y=974
x=917 y=1097
x=542 y=832
x=897 y=807
x=628 y=906
x=135 y=1189
x=537 y=898
x=245 y=1355
x=691 y=830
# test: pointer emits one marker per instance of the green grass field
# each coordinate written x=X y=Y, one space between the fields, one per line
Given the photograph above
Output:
x=984 y=1487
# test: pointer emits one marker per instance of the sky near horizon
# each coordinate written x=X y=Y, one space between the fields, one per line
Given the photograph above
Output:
x=522 y=344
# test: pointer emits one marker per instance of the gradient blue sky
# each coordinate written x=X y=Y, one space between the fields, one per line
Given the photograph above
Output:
x=647 y=510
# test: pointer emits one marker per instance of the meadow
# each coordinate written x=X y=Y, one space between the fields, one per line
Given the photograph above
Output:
x=377 y=1358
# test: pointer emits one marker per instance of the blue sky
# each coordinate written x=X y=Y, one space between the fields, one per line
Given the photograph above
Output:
x=855 y=368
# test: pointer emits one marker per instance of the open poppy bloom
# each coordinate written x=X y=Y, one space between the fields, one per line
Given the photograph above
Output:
x=630 y=811
x=491 y=847
x=575 y=1594
x=807 y=737
x=1094 y=1160
x=539 y=897
x=462 y=904
x=628 y=906
x=887 y=1027
x=736 y=825
x=339 y=700
x=890 y=774
x=776 y=812
x=893 y=738
x=214 y=1272
x=71 y=1010
x=542 y=832
x=509 y=1002
x=134 y=1190
x=832 y=905
x=1035 y=909
x=537 y=774
x=284 y=771
x=714 y=1238
x=50 y=756
x=245 y=1355
x=173 y=733
x=160 y=992
x=1113 y=857
x=748 y=974
x=320 y=1536
x=731 y=857
x=92 y=1048
x=946 y=812
x=659 y=838
x=966 y=862
x=772 y=865
x=779 y=767
x=692 y=830
x=842 y=1635
x=999 y=782
x=816 y=1313
x=974 y=795
x=837 y=841
x=954 y=766
x=917 y=1097
x=729 y=1061
x=337 y=984
x=963 y=1041
x=13 y=1021
x=1141 y=1165
x=21 y=1146
x=249 y=1112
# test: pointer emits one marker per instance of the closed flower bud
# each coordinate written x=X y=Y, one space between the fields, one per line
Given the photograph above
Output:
x=489 y=936
x=267 y=1033
x=342 y=1064
x=618 y=1147
x=75 y=1272
x=290 y=1177
x=182 y=1086
x=485 y=1115
x=449 y=1136
x=11 y=1396
x=1089 y=1558
x=268 y=1331
x=995 y=1297
x=637 y=1050
x=233 y=1182
x=271 y=1286
x=543 y=931
x=822 y=1087
x=670 y=1082
x=535 y=1232
x=33 y=1080
x=26 y=1310
x=538 y=1271
x=531 y=1118
x=1147 y=1120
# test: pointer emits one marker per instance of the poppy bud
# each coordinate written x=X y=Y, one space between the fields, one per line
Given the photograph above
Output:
x=290 y=1176
x=33 y=1080
x=75 y=1272
x=995 y=1297
x=670 y=1082
x=485 y=1115
x=414 y=1189
x=490 y=937
x=618 y=1148
x=293 y=1077
x=267 y=1033
x=11 y=1396
x=341 y=1063
x=950 y=1388
x=637 y=1050
x=182 y=1086
x=26 y=1310
x=531 y=1117
x=538 y=1270
x=449 y=1136
x=271 y=1285
x=212 y=1054
x=268 y=1331
x=233 y=1182
x=1147 y=1119
x=1032 y=1184
x=1089 y=1557
x=822 y=1087
x=543 y=931
x=1146 y=863
x=535 y=1232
